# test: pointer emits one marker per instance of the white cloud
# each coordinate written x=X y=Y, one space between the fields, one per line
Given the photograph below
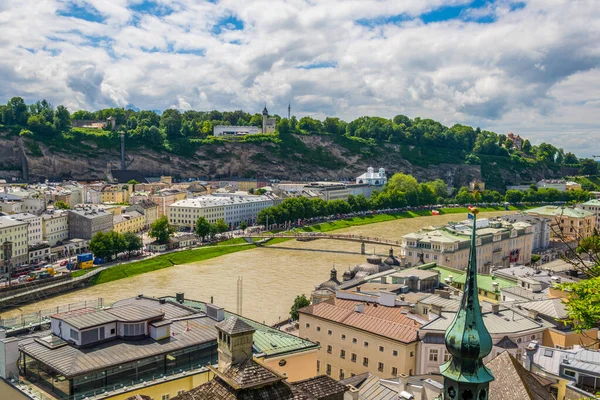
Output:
x=532 y=70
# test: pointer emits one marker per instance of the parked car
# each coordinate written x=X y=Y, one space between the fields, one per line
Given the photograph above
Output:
x=63 y=263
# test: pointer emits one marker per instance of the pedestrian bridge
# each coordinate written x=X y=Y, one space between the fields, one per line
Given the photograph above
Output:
x=305 y=237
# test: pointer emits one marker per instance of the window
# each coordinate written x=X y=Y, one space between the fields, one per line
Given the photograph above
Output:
x=366 y=344
x=395 y=353
x=354 y=340
x=341 y=374
x=343 y=337
x=433 y=355
x=410 y=372
x=329 y=332
x=318 y=329
x=318 y=366
x=380 y=367
x=165 y=397
x=381 y=349
x=412 y=353
x=180 y=392
x=342 y=353
x=328 y=371
x=447 y=356
x=394 y=371
x=329 y=348
x=112 y=331
x=365 y=361
x=74 y=334
x=353 y=358
x=307 y=326
x=548 y=353
x=570 y=373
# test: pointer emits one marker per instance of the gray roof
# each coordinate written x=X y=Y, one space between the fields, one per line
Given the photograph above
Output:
x=526 y=294
x=84 y=318
x=71 y=361
x=553 y=308
x=584 y=360
x=171 y=309
x=234 y=326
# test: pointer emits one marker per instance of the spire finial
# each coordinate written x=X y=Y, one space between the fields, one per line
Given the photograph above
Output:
x=468 y=340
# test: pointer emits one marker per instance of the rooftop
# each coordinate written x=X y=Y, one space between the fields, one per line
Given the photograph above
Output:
x=234 y=326
x=215 y=201
x=391 y=322
x=84 y=318
x=6 y=222
x=555 y=211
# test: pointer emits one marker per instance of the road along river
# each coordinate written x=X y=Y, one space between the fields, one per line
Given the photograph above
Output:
x=272 y=276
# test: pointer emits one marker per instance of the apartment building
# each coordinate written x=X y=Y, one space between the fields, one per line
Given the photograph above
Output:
x=357 y=337
x=115 y=194
x=499 y=243
x=593 y=206
x=233 y=208
x=147 y=208
x=165 y=197
x=55 y=227
x=541 y=228
x=84 y=223
x=131 y=221
x=572 y=223
x=14 y=234
x=34 y=227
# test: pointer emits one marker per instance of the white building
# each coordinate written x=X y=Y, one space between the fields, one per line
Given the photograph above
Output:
x=372 y=178
x=55 y=227
x=234 y=130
x=557 y=184
x=34 y=205
x=34 y=227
x=593 y=206
x=541 y=228
x=233 y=208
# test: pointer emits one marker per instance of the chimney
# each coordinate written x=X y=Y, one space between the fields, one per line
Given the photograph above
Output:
x=179 y=297
x=495 y=286
x=358 y=289
x=496 y=308
x=450 y=278
x=351 y=393
x=530 y=350
x=402 y=381
x=359 y=308
x=123 y=167
x=533 y=314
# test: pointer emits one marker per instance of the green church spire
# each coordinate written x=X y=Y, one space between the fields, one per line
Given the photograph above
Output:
x=467 y=339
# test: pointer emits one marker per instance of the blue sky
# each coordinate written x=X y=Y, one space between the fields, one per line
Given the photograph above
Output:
x=530 y=66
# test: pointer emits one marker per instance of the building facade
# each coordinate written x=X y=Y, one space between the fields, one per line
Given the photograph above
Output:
x=84 y=223
x=14 y=234
x=357 y=337
x=148 y=208
x=131 y=221
x=593 y=206
x=55 y=227
x=541 y=228
x=34 y=227
x=498 y=244
x=571 y=223
x=373 y=178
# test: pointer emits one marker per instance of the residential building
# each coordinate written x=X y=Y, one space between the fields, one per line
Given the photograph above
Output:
x=558 y=184
x=233 y=208
x=234 y=130
x=118 y=194
x=498 y=243
x=593 y=206
x=131 y=221
x=55 y=227
x=165 y=197
x=510 y=330
x=573 y=373
x=367 y=386
x=373 y=178
x=84 y=223
x=240 y=376
x=179 y=241
x=516 y=140
x=40 y=252
x=147 y=346
x=11 y=207
x=572 y=223
x=476 y=185
x=33 y=205
x=357 y=337
x=541 y=228
x=14 y=235
x=148 y=209
x=34 y=227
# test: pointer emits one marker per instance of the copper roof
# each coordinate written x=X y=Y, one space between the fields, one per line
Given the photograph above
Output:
x=391 y=322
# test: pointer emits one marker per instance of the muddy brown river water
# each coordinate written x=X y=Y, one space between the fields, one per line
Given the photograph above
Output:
x=272 y=276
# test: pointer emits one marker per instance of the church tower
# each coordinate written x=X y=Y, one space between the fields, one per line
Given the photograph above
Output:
x=468 y=340
x=265 y=115
x=289 y=110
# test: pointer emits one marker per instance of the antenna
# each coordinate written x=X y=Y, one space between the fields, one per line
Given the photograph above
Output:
x=240 y=285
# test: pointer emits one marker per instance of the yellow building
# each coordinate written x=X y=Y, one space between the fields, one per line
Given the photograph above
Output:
x=115 y=194
x=132 y=221
x=14 y=232
x=357 y=337
x=572 y=223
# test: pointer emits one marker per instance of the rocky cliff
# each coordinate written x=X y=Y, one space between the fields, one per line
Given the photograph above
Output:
x=319 y=158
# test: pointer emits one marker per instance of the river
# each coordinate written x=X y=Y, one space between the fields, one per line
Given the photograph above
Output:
x=272 y=276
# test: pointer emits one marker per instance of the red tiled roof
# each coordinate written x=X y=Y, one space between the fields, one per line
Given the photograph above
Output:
x=391 y=322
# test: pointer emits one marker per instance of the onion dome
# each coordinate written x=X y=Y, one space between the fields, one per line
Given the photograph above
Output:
x=332 y=282
x=374 y=259
x=391 y=260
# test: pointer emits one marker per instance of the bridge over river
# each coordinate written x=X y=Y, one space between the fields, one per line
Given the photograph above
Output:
x=305 y=237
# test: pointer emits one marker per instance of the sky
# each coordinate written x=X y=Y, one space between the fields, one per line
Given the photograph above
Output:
x=529 y=67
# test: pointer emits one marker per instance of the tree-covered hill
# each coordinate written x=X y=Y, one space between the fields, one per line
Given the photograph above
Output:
x=420 y=142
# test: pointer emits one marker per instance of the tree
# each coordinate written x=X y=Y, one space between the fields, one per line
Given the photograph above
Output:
x=18 y=110
x=161 y=230
x=221 y=226
x=526 y=146
x=202 y=228
x=100 y=245
x=299 y=302
x=132 y=242
x=583 y=305
x=116 y=242
x=260 y=191
x=243 y=225
x=588 y=167
x=170 y=121
x=133 y=182
x=61 y=205
x=571 y=158
x=62 y=119
x=404 y=183
x=513 y=196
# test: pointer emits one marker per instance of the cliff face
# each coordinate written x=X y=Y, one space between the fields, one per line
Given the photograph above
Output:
x=318 y=158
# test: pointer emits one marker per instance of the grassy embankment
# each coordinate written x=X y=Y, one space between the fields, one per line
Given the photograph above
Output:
x=238 y=244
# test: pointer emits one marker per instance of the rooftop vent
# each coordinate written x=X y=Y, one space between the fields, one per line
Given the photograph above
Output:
x=214 y=312
x=179 y=297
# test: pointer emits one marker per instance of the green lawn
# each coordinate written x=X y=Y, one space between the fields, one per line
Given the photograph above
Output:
x=277 y=241
x=229 y=242
x=80 y=272
x=165 y=261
